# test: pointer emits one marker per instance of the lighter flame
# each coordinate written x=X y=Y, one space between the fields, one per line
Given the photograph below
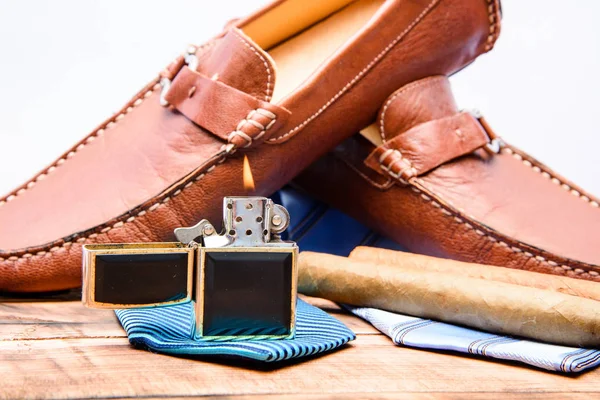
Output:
x=247 y=174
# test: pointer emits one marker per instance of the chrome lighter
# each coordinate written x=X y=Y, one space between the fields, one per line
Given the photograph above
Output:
x=243 y=281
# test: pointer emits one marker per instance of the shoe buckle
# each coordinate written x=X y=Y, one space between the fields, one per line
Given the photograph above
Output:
x=191 y=60
x=495 y=143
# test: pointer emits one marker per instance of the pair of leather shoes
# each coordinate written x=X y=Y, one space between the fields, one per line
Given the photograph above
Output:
x=283 y=87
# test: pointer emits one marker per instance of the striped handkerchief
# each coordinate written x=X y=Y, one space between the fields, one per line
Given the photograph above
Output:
x=427 y=334
x=316 y=227
x=170 y=330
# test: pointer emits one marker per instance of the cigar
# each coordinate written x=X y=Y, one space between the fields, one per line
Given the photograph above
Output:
x=399 y=259
x=491 y=306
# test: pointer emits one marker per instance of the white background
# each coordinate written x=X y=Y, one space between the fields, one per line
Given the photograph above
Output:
x=66 y=65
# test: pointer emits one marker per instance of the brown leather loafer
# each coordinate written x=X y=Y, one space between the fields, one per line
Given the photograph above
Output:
x=282 y=86
x=440 y=182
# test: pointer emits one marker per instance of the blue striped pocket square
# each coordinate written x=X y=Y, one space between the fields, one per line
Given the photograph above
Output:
x=170 y=330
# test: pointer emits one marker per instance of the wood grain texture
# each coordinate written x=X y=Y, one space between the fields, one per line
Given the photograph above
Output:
x=62 y=350
x=47 y=320
x=411 y=395
x=68 y=319
x=417 y=396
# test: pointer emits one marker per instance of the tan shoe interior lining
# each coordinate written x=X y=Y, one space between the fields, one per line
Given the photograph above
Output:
x=372 y=134
x=301 y=35
x=290 y=18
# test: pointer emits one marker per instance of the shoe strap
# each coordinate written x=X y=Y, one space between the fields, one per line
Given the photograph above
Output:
x=227 y=112
x=431 y=144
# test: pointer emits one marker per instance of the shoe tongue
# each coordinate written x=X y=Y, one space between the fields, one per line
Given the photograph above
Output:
x=416 y=103
x=237 y=61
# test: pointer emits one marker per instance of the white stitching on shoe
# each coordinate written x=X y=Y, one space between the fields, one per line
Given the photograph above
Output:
x=494 y=22
x=264 y=61
x=118 y=224
x=492 y=239
x=140 y=97
x=544 y=173
x=99 y=132
x=248 y=120
x=402 y=90
x=361 y=73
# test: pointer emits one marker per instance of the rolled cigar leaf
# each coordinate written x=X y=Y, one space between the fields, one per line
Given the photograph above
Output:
x=491 y=306
x=574 y=287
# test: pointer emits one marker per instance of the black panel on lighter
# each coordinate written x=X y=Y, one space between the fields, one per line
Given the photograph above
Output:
x=141 y=278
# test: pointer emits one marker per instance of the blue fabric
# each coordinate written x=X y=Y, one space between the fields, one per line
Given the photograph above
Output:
x=170 y=330
x=316 y=227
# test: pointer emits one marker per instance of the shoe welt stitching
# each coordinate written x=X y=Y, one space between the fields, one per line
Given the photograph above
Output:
x=548 y=175
x=139 y=99
x=493 y=17
x=89 y=139
x=360 y=75
x=119 y=224
x=514 y=249
x=155 y=206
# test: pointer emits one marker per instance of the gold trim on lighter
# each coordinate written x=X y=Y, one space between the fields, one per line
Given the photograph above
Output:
x=89 y=269
x=196 y=256
x=199 y=298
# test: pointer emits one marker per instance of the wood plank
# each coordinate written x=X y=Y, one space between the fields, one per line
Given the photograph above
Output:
x=67 y=319
x=401 y=396
x=82 y=353
x=111 y=368
x=70 y=319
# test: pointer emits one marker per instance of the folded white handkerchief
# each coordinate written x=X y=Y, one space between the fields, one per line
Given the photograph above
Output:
x=427 y=334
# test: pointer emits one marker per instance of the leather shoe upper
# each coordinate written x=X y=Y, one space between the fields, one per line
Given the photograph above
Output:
x=170 y=154
x=441 y=182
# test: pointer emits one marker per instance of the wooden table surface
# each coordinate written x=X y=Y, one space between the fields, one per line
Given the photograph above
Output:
x=56 y=348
